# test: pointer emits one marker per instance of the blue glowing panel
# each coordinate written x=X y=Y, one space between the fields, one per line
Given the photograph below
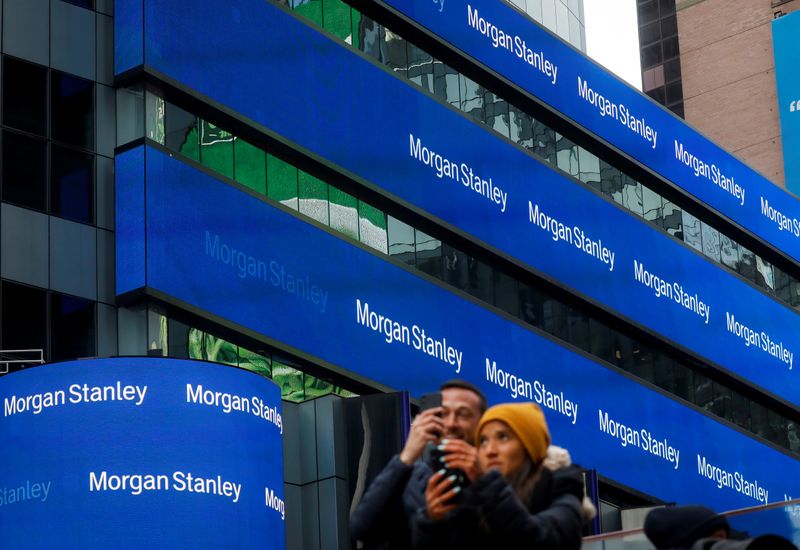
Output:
x=785 y=31
x=323 y=97
x=560 y=76
x=129 y=220
x=217 y=248
x=128 y=35
x=140 y=453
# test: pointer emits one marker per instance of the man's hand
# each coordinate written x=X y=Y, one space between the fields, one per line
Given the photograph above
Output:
x=460 y=455
x=437 y=493
x=427 y=426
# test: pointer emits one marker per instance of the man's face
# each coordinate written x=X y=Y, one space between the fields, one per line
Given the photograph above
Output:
x=461 y=413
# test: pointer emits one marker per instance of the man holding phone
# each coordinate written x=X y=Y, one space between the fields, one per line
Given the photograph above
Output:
x=381 y=519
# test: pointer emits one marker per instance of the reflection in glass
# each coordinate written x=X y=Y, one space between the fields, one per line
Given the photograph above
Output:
x=652 y=206
x=455 y=266
x=764 y=277
x=506 y=293
x=395 y=53
x=336 y=19
x=691 y=231
x=420 y=67
x=313 y=195
x=472 y=96
x=632 y=195
x=372 y=227
x=250 y=166
x=401 y=240
x=496 y=114
x=544 y=141
x=747 y=263
x=729 y=252
x=530 y=304
x=428 y=253
x=181 y=132
x=521 y=127
x=589 y=168
x=479 y=279
x=710 y=242
x=72 y=110
x=282 y=182
x=343 y=212
x=567 y=155
x=310 y=9
x=445 y=84
x=216 y=148
x=673 y=219
x=154 y=117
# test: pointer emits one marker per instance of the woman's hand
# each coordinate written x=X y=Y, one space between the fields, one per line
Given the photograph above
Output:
x=437 y=494
x=460 y=455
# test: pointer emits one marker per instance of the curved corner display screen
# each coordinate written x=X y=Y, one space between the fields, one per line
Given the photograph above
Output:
x=140 y=453
x=327 y=99
x=215 y=248
x=556 y=74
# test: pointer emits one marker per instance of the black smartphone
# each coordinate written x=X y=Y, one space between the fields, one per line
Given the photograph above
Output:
x=430 y=401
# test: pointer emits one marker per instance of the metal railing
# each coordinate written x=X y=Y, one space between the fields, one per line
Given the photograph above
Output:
x=20 y=358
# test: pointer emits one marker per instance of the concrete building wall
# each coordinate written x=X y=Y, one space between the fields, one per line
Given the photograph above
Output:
x=728 y=71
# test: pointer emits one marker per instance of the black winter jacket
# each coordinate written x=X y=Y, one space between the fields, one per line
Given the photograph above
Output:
x=382 y=518
x=490 y=515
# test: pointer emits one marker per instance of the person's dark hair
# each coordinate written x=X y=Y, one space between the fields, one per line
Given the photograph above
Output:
x=523 y=480
x=464 y=385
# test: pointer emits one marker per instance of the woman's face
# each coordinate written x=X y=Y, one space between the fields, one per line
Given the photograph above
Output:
x=499 y=448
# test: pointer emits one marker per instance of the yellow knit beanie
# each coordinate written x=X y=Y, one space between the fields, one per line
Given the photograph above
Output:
x=527 y=422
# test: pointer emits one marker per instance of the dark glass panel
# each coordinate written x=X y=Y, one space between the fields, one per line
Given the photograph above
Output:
x=649 y=33
x=420 y=67
x=367 y=35
x=24 y=170
x=674 y=92
x=472 y=97
x=455 y=266
x=729 y=252
x=24 y=317
x=672 y=70
x=181 y=130
x=72 y=327
x=72 y=184
x=611 y=181
x=648 y=12
x=747 y=263
x=632 y=195
x=659 y=94
x=544 y=141
x=677 y=109
x=479 y=279
x=577 y=328
x=506 y=293
x=600 y=340
x=282 y=182
x=395 y=53
x=555 y=318
x=671 y=48
x=216 y=148
x=428 y=253
x=531 y=304
x=251 y=166
x=178 y=339
x=651 y=55
x=72 y=110
x=567 y=155
x=89 y=4
x=673 y=219
x=521 y=127
x=669 y=26
x=24 y=96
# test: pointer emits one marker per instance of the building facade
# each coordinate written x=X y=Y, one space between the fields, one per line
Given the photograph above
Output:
x=718 y=61
x=350 y=200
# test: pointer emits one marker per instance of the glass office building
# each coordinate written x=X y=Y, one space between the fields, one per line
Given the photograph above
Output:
x=354 y=198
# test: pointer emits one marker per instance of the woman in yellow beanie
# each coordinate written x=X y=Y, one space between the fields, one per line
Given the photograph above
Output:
x=512 y=501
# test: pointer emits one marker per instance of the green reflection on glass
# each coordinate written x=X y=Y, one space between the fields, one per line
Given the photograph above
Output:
x=251 y=166
x=281 y=181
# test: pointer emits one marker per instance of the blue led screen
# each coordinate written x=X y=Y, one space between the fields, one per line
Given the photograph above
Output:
x=345 y=109
x=785 y=31
x=140 y=453
x=219 y=249
x=526 y=54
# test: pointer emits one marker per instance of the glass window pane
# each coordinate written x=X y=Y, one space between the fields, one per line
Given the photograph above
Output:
x=394 y=53
x=313 y=197
x=72 y=327
x=729 y=252
x=310 y=9
x=428 y=253
x=445 y=83
x=154 y=114
x=366 y=34
x=24 y=96
x=555 y=317
x=471 y=97
x=652 y=206
x=290 y=380
x=455 y=266
x=336 y=18
x=632 y=195
x=747 y=263
x=72 y=110
x=496 y=112
x=589 y=166
x=255 y=362
x=24 y=170
x=401 y=241
x=764 y=277
x=181 y=132
x=577 y=328
x=372 y=227
x=531 y=304
x=651 y=55
x=72 y=184
x=521 y=127
x=673 y=219
x=710 y=242
x=282 y=181
x=157 y=335
x=479 y=280
x=131 y=114
x=567 y=155
x=648 y=11
x=216 y=148
x=24 y=317
x=343 y=212
x=420 y=67
x=251 y=166
x=177 y=339
x=611 y=181
x=782 y=284
x=691 y=231
x=544 y=141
